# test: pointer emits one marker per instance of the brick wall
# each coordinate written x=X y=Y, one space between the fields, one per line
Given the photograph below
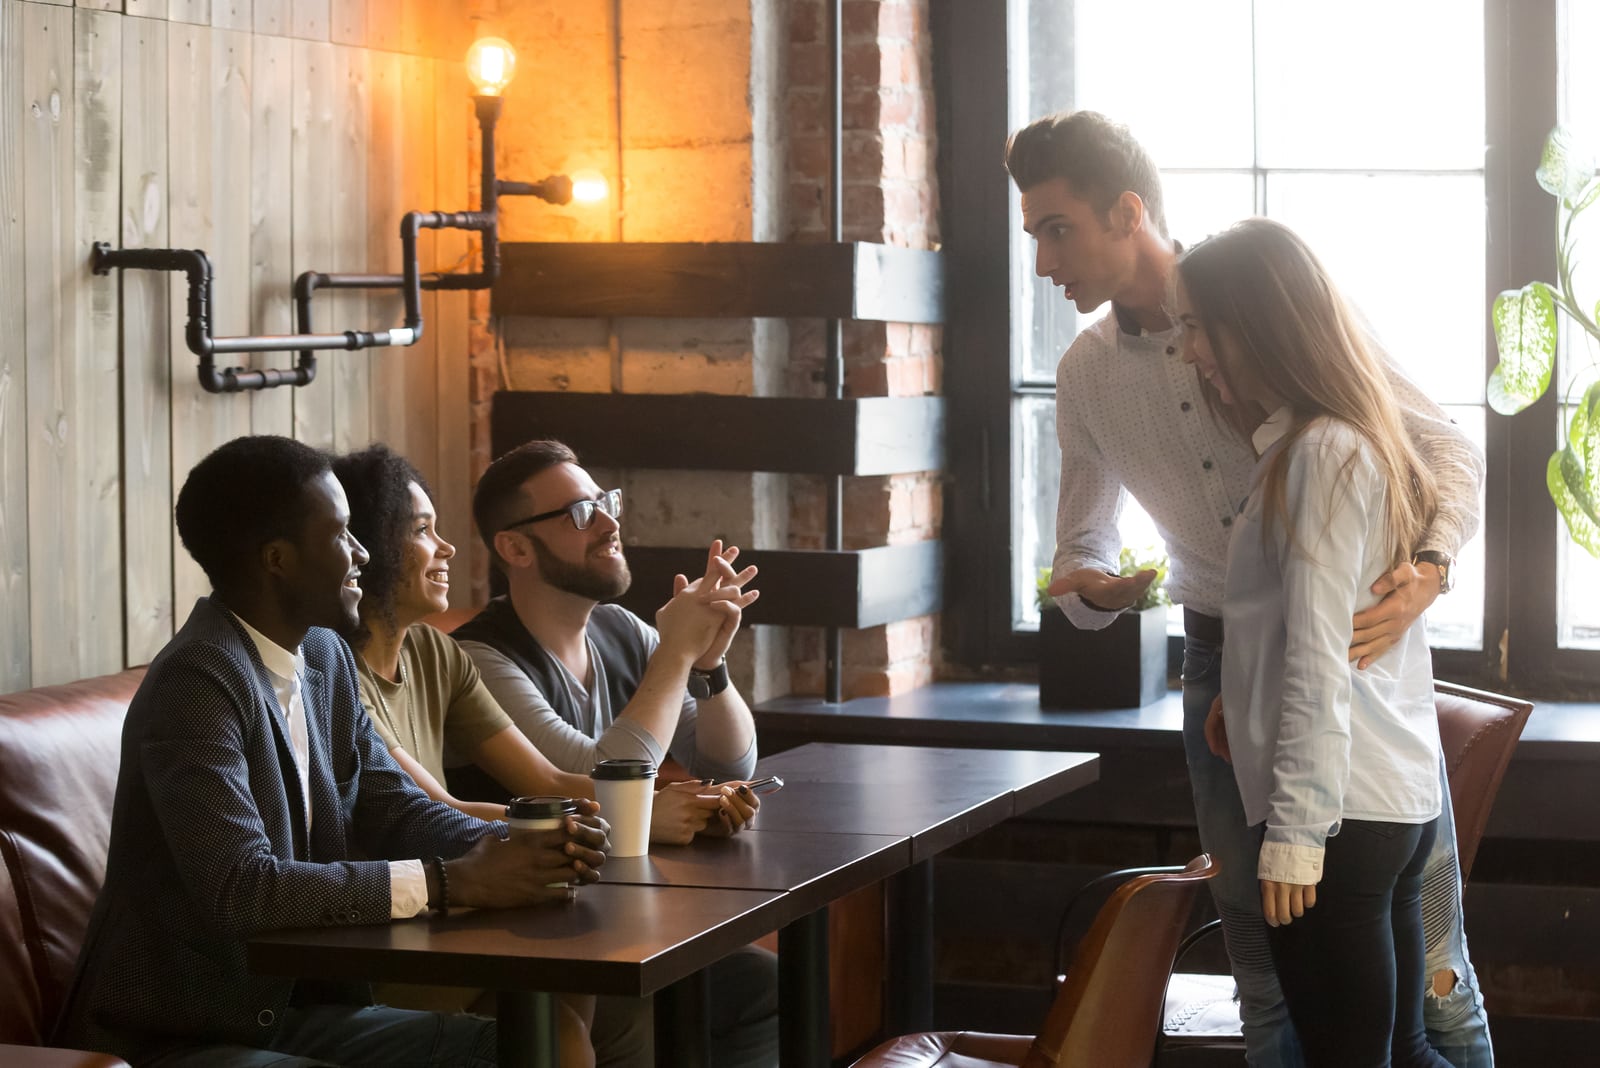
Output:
x=890 y=195
x=709 y=121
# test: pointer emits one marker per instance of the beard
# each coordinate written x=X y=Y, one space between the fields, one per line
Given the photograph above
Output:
x=581 y=580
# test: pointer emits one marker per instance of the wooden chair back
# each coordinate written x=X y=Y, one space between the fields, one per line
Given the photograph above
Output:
x=1107 y=1013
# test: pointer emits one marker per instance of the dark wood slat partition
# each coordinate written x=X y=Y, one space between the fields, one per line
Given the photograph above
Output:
x=799 y=587
x=725 y=280
x=787 y=435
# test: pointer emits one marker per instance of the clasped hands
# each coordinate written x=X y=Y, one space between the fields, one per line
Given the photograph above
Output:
x=703 y=616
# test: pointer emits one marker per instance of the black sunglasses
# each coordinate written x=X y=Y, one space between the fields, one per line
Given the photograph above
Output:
x=582 y=512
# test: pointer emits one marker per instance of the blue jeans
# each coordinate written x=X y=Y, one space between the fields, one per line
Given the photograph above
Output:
x=1456 y=1023
x=1352 y=967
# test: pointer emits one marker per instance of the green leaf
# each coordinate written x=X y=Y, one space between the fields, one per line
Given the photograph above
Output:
x=1564 y=167
x=1589 y=197
x=1568 y=485
x=1525 y=333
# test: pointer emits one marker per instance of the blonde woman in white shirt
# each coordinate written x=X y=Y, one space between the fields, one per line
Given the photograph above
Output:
x=1337 y=766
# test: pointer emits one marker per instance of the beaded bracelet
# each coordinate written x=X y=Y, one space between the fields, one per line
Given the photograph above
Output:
x=443 y=907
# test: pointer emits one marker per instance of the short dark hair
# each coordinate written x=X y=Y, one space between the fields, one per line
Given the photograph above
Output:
x=243 y=495
x=1100 y=160
x=377 y=482
x=496 y=500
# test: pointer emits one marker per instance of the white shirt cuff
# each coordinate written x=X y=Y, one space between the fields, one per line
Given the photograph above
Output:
x=408 y=889
x=1284 y=863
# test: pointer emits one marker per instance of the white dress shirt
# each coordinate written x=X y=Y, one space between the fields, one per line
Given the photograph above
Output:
x=408 y=884
x=1315 y=741
x=1131 y=418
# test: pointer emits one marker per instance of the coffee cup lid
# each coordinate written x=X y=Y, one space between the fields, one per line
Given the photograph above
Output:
x=540 y=808
x=629 y=768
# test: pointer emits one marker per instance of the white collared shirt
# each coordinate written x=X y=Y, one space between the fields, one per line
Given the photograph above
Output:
x=1131 y=417
x=408 y=885
x=1314 y=740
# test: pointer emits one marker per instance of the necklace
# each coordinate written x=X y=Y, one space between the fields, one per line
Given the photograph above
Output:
x=388 y=715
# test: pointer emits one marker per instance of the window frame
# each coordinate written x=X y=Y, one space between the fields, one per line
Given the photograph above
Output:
x=970 y=48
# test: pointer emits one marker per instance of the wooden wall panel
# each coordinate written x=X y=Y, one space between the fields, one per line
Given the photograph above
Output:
x=270 y=17
x=189 y=189
x=384 y=207
x=231 y=78
x=89 y=396
x=348 y=22
x=231 y=14
x=49 y=247
x=150 y=9
x=347 y=309
x=146 y=377
x=309 y=19
x=232 y=126
x=384 y=25
x=271 y=263
x=195 y=12
x=312 y=140
x=15 y=654
x=452 y=486
x=412 y=383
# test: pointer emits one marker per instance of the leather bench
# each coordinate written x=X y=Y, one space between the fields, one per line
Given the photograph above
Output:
x=59 y=752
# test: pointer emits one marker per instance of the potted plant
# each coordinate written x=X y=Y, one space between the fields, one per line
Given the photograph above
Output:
x=1123 y=665
x=1526 y=334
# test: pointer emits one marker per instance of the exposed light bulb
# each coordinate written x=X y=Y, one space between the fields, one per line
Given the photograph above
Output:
x=491 y=61
x=589 y=187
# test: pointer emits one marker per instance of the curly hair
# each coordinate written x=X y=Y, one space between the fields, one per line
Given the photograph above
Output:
x=1099 y=159
x=377 y=481
x=244 y=494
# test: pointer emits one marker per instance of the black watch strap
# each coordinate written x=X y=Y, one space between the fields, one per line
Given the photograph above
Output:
x=704 y=684
x=1443 y=561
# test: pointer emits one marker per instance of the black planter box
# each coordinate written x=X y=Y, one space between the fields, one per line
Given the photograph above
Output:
x=1122 y=666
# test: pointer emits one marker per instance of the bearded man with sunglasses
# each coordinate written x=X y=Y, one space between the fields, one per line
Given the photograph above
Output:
x=588 y=681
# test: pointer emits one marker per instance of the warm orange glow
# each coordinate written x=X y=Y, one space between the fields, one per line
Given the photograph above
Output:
x=589 y=187
x=491 y=61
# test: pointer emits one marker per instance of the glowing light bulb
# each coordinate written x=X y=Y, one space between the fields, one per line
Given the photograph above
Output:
x=589 y=187
x=491 y=61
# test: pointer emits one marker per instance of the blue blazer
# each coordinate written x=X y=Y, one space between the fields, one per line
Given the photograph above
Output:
x=209 y=842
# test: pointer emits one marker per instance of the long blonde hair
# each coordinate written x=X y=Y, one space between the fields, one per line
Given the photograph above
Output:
x=1270 y=310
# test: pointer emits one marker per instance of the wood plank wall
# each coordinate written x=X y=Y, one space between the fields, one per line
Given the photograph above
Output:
x=276 y=135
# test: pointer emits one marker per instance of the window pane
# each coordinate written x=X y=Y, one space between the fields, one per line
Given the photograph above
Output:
x=1578 y=573
x=1189 y=109
x=1369 y=83
x=1199 y=205
x=1456 y=621
x=1036 y=460
x=1432 y=321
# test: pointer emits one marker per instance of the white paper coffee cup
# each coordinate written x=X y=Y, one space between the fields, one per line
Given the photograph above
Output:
x=626 y=790
x=540 y=814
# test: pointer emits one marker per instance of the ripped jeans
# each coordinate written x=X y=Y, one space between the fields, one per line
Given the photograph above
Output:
x=1456 y=1023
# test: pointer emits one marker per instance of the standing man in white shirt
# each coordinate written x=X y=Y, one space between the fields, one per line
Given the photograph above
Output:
x=1131 y=419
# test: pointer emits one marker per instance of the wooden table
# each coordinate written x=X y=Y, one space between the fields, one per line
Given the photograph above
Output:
x=848 y=817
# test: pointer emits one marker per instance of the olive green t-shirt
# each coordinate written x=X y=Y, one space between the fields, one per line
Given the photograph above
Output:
x=439 y=703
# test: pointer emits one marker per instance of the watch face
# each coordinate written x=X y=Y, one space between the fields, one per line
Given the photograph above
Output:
x=699 y=686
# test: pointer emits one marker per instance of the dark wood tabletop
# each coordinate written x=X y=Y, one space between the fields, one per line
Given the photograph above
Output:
x=817 y=867
x=984 y=714
x=614 y=939
x=937 y=797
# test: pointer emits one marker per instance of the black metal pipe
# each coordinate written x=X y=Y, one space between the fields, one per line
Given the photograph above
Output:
x=833 y=638
x=488 y=112
x=197 y=332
